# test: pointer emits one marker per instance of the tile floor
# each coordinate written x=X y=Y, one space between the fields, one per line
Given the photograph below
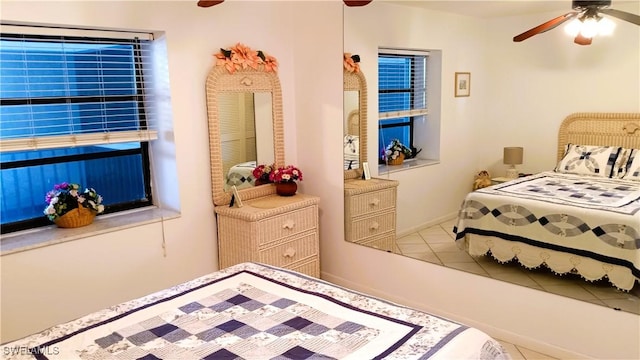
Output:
x=436 y=245
x=520 y=353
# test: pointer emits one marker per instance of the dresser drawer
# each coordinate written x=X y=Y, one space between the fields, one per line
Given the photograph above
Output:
x=285 y=225
x=289 y=252
x=373 y=201
x=384 y=242
x=310 y=267
x=372 y=226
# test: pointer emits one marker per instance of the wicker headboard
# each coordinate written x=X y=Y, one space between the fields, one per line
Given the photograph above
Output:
x=605 y=129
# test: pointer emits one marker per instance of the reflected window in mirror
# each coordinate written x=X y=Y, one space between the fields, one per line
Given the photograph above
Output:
x=244 y=108
x=408 y=102
x=355 y=117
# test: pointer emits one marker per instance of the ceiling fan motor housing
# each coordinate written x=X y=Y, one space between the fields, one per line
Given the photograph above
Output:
x=583 y=4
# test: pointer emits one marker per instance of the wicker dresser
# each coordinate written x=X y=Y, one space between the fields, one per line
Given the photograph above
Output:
x=370 y=212
x=276 y=230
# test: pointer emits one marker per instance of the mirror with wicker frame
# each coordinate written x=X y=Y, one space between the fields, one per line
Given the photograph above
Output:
x=255 y=88
x=355 y=127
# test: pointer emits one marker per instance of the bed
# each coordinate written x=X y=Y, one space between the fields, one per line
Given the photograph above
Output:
x=241 y=175
x=583 y=216
x=255 y=311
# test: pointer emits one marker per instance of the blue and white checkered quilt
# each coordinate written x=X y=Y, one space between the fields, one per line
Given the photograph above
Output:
x=589 y=216
x=253 y=311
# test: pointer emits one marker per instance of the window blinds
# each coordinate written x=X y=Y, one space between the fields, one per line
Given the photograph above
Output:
x=75 y=88
x=402 y=83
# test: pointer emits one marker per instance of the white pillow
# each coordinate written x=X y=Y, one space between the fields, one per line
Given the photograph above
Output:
x=589 y=160
x=632 y=170
x=351 y=152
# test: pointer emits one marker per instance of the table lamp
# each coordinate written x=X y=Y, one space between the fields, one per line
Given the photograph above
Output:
x=512 y=156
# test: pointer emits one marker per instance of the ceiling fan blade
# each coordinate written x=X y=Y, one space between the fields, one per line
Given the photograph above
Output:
x=207 y=3
x=356 y=3
x=622 y=15
x=545 y=27
x=581 y=40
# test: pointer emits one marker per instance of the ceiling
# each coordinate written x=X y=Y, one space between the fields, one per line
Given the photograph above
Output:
x=488 y=9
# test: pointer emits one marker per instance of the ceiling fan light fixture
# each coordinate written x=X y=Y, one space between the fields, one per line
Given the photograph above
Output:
x=573 y=27
x=589 y=27
x=606 y=26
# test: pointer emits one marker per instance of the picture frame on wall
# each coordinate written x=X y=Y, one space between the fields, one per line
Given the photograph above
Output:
x=463 y=84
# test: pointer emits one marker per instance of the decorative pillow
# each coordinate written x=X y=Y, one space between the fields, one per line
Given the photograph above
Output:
x=589 y=160
x=620 y=167
x=351 y=152
x=351 y=145
x=632 y=170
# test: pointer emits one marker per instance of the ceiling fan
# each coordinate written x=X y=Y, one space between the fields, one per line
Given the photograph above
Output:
x=207 y=3
x=587 y=21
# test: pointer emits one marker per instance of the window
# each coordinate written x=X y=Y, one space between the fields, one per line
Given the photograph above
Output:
x=73 y=107
x=403 y=78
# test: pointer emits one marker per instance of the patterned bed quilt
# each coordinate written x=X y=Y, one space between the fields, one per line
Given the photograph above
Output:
x=241 y=176
x=589 y=216
x=254 y=311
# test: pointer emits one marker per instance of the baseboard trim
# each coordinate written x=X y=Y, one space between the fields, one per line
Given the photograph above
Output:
x=430 y=223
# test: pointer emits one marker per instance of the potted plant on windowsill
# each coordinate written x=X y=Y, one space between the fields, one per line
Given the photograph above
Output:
x=396 y=152
x=69 y=208
x=285 y=180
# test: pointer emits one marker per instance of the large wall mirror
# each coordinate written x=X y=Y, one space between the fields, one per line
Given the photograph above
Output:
x=363 y=32
x=355 y=120
x=244 y=108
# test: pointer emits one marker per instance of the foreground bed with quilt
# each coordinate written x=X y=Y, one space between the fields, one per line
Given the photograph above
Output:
x=254 y=311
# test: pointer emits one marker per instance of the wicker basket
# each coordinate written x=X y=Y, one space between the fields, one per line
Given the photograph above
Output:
x=397 y=161
x=78 y=217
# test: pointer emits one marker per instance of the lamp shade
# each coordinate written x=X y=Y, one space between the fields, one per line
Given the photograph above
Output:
x=512 y=155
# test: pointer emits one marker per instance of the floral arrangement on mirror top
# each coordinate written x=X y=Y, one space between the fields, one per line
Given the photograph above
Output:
x=261 y=173
x=286 y=174
x=66 y=196
x=243 y=57
x=395 y=148
x=350 y=62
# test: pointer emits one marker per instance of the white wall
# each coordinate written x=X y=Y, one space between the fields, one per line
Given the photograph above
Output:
x=462 y=42
x=58 y=283
x=306 y=37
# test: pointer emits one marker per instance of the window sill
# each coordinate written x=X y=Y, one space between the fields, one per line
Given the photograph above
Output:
x=406 y=165
x=51 y=235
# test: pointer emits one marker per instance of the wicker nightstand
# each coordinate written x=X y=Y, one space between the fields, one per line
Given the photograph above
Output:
x=276 y=230
x=370 y=212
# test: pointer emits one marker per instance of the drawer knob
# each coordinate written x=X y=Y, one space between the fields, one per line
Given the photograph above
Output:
x=288 y=225
x=290 y=252
x=374 y=226
x=374 y=202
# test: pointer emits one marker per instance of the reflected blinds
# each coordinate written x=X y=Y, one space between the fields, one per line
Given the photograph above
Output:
x=401 y=83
